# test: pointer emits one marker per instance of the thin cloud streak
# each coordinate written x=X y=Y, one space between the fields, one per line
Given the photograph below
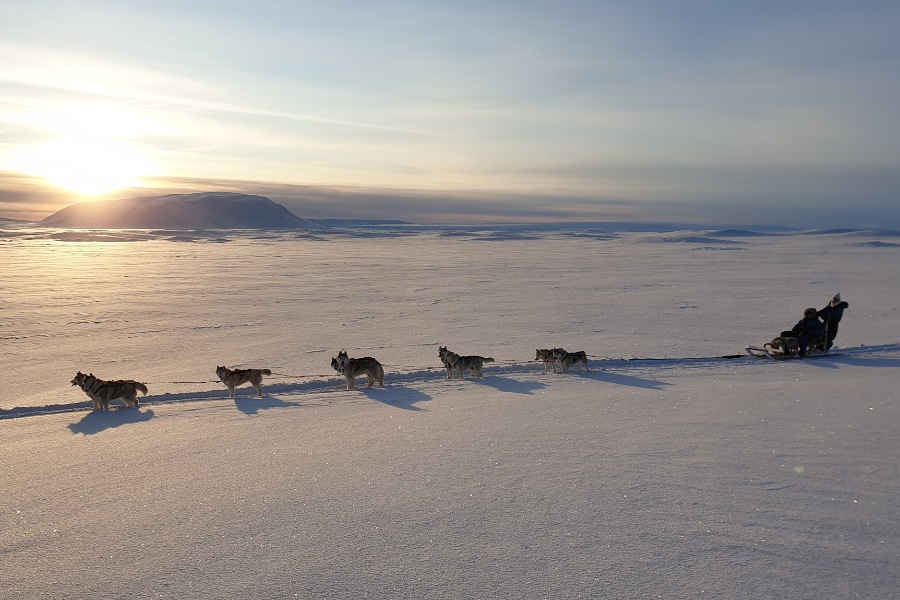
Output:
x=722 y=105
x=37 y=68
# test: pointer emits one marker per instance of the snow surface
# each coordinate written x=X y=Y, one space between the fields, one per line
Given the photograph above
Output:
x=666 y=471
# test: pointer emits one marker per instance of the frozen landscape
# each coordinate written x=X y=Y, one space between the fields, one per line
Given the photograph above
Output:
x=665 y=471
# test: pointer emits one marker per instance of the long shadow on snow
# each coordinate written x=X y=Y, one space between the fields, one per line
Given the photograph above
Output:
x=505 y=384
x=607 y=376
x=876 y=362
x=100 y=420
x=628 y=380
x=251 y=405
x=862 y=356
x=396 y=396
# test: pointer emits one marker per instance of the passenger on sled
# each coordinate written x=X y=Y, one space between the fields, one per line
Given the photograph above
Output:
x=808 y=332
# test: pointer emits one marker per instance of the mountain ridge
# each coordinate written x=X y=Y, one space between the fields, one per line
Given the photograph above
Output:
x=199 y=210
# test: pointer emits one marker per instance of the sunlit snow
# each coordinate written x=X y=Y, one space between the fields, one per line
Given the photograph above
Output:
x=666 y=471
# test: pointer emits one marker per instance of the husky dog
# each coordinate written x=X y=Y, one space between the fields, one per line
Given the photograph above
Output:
x=352 y=368
x=567 y=359
x=787 y=344
x=79 y=381
x=102 y=392
x=442 y=354
x=465 y=363
x=235 y=377
x=546 y=355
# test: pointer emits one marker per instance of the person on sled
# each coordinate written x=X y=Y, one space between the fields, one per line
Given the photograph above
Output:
x=832 y=315
x=808 y=330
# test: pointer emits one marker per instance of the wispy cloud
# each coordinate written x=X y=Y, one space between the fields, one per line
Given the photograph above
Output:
x=678 y=102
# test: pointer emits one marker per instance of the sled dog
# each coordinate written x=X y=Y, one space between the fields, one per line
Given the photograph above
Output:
x=567 y=359
x=352 y=368
x=546 y=356
x=790 y=346
x=461 y=364
x=235 y=377
x=442 y=354
x=103 y=392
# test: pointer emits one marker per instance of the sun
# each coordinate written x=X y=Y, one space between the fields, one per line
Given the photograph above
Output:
x=86 y=167
x=88 y=152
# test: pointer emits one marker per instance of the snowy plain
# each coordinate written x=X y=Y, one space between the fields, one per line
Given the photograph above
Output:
x=666 y=471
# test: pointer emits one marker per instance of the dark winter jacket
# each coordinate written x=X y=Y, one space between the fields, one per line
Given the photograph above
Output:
x=832 y=314
x=809 y=327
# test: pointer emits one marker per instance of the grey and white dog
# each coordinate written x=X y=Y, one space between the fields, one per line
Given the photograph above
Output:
x=351 y=368
x=235 y=377
x=103 y=392
x=455 y=362
x=546 y=356
x=567 y=359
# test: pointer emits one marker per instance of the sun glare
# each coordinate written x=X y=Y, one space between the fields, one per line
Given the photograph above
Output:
x=87 y=167
x=89 y=153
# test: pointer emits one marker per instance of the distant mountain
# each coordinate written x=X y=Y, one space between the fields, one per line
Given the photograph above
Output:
x=205 y=210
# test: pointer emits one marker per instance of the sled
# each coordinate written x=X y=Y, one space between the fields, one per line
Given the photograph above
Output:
x=783 y=348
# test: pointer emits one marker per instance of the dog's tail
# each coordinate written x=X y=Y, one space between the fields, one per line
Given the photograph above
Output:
x=488 y=359
x=140 y=386
x=265 y=371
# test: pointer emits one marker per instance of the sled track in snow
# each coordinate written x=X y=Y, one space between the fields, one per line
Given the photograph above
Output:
x=398 y=377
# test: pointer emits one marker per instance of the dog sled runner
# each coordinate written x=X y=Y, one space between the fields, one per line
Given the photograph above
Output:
x=765 y=351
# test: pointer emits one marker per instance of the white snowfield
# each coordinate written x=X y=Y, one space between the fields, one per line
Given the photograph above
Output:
x=665 y=471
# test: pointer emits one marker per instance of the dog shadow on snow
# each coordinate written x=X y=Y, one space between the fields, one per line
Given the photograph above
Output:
x=100 y=420
x=396 y=396
x=629 y=380
x=505 y=384
x=251 y=405
x=606 y=376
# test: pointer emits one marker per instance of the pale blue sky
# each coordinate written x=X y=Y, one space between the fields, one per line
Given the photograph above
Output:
x=723 y=112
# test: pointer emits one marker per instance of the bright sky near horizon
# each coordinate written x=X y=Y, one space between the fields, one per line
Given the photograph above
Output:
x=700 y=111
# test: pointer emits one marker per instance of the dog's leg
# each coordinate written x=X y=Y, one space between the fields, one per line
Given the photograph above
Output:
x=258 y=387
x=370 y=379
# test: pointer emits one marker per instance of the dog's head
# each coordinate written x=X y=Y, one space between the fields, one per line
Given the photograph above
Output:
x=78 y=379
x=342 y=360
x=442 y=352
x=336 y=365
x=542 y=354
x=221 y=372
